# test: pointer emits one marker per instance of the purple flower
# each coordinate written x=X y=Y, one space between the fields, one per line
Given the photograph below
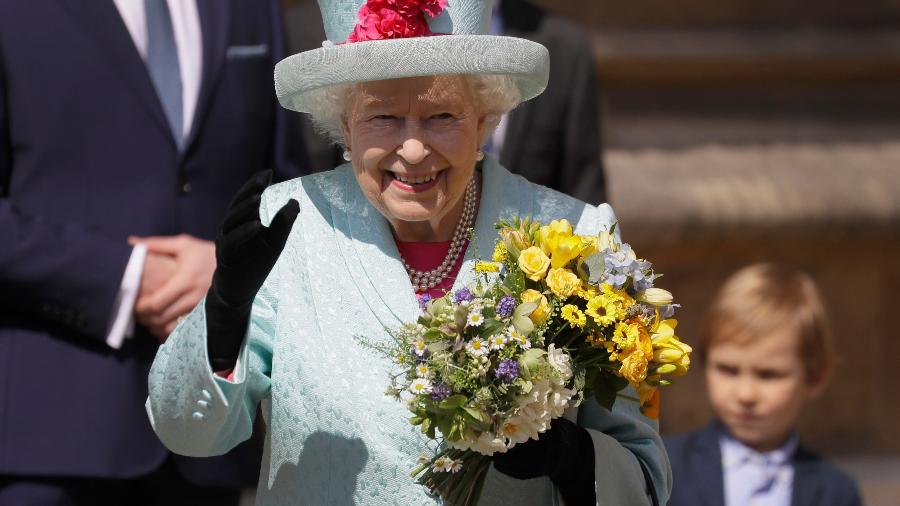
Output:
x=506 y=306
x=423 y=301
x=463 y=295
x=440 y=392
x=507 y=370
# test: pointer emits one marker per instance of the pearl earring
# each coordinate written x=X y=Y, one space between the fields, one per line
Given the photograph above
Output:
x=479 y=155
x=347 y=156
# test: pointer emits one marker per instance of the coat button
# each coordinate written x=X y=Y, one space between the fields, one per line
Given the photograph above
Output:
x=206 y=394
x=203 y=404
x=197 y=415
x=186 y=188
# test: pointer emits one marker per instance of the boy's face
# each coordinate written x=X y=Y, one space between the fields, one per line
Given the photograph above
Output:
x=757 y=389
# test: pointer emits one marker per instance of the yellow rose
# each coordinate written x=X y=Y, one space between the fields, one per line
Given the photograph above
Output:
x=634 y=368
x=565 y=249
x=534 y=263
x=539 y=315
x=549 y=234
x=563 y=282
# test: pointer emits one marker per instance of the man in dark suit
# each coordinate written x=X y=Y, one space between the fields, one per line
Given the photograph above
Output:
x=118 y=119
x=697 y=462
x=554 y=139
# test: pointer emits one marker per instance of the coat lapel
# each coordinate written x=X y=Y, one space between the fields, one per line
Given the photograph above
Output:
x=214 y=16
x=707 y=466
x=502 y=196
x=102 y=22
x=806 y=490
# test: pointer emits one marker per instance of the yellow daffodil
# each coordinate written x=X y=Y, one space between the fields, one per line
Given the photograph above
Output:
x=550 y=234
x=539 y=315
x=564 y=250
x=534 y=263
x=655 y=296
x=563 y=282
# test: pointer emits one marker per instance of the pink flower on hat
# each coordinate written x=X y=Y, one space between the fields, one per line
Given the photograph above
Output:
x=394 y=19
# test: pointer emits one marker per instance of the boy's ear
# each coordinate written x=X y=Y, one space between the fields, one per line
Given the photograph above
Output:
x=816 y=385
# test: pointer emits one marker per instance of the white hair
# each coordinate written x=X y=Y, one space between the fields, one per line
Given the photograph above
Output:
x=495 y=95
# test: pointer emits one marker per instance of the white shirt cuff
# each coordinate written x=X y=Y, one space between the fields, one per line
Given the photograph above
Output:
x=122 y=323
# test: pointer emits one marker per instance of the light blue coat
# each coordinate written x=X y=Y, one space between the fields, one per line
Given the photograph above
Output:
x=333 y=437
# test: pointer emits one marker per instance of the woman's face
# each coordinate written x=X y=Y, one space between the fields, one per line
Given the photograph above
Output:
x=413 y=144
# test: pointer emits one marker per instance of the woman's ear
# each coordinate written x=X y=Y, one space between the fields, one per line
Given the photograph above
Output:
x=345 y=130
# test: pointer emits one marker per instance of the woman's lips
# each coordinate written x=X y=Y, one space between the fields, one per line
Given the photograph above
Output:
x=413 y=187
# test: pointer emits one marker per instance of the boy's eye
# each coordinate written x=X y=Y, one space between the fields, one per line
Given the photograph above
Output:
x=384 y=117
x=443 y=115
x=725 y=369
x=770 y=374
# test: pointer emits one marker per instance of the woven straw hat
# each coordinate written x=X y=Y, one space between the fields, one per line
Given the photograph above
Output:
x=409 y=42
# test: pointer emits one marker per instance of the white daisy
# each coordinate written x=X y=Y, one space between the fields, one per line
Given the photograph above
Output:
x=518 y=338
x=456 y=466
x=422 y=371
x=475 y=319
x=419 y=346
x=420 y=386
x=498 y=341
x=477 y=347
x=439 y=464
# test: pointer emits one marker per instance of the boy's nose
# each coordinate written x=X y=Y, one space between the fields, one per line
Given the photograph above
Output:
x=747 y=392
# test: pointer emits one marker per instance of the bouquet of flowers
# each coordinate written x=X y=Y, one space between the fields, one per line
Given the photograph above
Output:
x=555 y=318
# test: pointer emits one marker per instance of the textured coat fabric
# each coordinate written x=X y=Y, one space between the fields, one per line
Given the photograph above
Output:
x=87 y=158
x=697 y=467
x=554 y=139
x=333 y=437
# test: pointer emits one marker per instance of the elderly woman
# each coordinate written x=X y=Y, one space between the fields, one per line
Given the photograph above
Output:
x=307 y=266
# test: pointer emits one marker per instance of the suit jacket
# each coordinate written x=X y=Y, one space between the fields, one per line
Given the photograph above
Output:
x=554 y=139
x=87 y=159
x=333 y=436
x=697 y=466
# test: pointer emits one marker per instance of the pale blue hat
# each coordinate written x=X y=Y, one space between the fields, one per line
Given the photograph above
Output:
x=465 y=49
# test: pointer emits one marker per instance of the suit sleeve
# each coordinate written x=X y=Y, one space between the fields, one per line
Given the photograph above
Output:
x=289 y=154
x=63 y=274
x=582 y=163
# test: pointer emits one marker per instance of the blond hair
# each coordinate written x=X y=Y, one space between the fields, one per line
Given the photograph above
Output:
x=769 y=299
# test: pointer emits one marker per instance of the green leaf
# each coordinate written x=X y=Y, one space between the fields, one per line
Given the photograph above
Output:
x=515 y=280
x=453 y=402
x=525 y=308
x=477 y=418
x=445 y=424
x=523 y=324
x=417 y=420
x=489 y=328
x=426 y=425
x=592 y=267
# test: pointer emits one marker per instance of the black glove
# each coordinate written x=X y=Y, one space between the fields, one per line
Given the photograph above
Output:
x=246 y=251
x=565 y=453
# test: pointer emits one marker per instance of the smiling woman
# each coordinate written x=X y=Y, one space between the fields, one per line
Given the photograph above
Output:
x=374 y=237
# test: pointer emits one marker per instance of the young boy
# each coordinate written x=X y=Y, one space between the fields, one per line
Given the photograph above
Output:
x=766 y=350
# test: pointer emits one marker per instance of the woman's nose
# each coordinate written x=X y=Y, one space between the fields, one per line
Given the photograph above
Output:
x=413 y=150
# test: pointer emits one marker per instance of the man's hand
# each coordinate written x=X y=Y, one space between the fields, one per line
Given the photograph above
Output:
x=159 y=307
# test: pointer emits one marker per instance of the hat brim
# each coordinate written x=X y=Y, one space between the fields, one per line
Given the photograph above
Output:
x=525 y=61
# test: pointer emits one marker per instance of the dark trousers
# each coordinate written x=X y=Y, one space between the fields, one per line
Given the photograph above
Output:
x=163 y=487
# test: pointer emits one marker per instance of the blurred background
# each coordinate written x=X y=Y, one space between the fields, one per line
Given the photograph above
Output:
x=737 y=131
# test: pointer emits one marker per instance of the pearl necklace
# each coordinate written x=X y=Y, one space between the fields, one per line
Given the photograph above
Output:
x=427 y=280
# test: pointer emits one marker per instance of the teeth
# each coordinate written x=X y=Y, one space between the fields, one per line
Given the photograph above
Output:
x=418 y=180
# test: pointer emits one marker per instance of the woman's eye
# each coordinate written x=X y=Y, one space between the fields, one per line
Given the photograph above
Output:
x=443 y=115
x=383 y=117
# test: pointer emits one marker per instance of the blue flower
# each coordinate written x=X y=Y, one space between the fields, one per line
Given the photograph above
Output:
x=667 y=311
x=423 y=301
x=439 y=392
x=463 y=295
x=506 y=306
x=507 y=370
